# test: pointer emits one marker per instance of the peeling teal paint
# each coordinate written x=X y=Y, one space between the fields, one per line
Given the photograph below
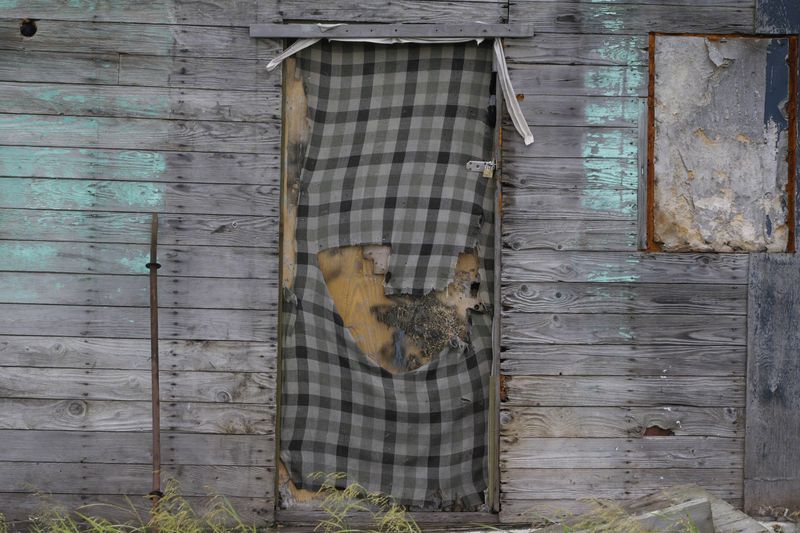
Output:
x=607 y=275
x=30 y=256
x=611 y=144
x=627 y=51
x=80 y=194
x=612 y=111
x=618 y=202
x=81 y=163
x=615 y=81
x=92 y=103
x=617 y=173
x=135 y=264
x=626 y=333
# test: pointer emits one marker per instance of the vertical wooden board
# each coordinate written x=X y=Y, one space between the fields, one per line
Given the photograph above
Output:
x=772 y=454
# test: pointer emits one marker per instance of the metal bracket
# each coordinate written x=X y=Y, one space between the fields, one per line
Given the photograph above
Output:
x=486 y=167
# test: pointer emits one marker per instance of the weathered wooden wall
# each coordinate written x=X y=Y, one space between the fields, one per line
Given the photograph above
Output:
x=603 y=343
x=110 y=111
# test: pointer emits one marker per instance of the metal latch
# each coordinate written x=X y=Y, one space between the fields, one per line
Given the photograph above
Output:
x=486 y=167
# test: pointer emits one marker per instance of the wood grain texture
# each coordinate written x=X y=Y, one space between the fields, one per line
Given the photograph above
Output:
x=634 y=18
x=67 y=67
x=558 y=483
x=134 y=354
x=623 y=360
x=521 y=233
x=613 y=391
x=609 y=267
x=134 y=448
x=578 y=49
x=136 y=133
x=579 y=80
x=397 y=11
x=772 y=466
x=579 y=328
x=85 y=258
x=107 y=478
x=583 y=173
x=628 y=298
x=152 y=166
x=205 y=12
x=105 y=415
x=133 y=322
x=133 y=228
x=594 y=204
x=572 y=142
x=147 y=39
x=133 y=385
x=140 y=102
x=133 y=291
x=558 y=110
x=620 y=422
x=643 y=452
x=195 y=72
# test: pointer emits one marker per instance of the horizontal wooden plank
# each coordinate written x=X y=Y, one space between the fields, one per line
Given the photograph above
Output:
x=147 y=39
x=138 y=196
x=137 y=133
x=105 y=415
x=209 y=13
x=549 y=110
x=574 y=142
x=134 y=322
x=79 y=258
x=194 y=72
x=134 y=480
x=134 y=228
x=405 y=30
x=644 y=452
x=613 y=391
x=19 y=507
x=623 y=360
x=633 y=18
x=397 y=11
x=625 y=298
x=102 y=384
x=590 y=204
x=69 y=67
x=578 y=80
x=521 y=233
x=578 y=49
x=619 y=422
x=135 y=448
x=134 y=354
x=139 y=165
x=141 y=102
x=543 y=265
x=575 y=328
x=570 y=173
x=134 y=291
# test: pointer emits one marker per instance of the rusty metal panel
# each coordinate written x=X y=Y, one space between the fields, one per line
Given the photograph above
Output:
x=722 y=116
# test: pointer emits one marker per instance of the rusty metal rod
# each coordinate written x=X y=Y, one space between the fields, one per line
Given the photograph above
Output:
x=153 y=267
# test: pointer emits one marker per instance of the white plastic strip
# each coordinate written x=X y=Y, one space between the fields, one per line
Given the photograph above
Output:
x=517 y=118
x=509 y=96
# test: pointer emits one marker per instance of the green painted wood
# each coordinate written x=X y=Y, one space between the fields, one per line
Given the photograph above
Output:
x=623 y=360
x=772 y=467
x=612 y=267
x=133 y=322
x=578 y=49
x=147 y=39
x=133 y=291
x=140 y=165
x=626 y=298
x=141 y=102
x=634 y=18
x=558 y=110
x=520 y=233
x=574 y=142
x=138 y=196
x=93 y=478
x=613 y=391
x=208 y=12
x=619 y=421
x=105 y=415
x=87 y=258
x=134 y=354
x=646 y=452
x=580 y=328
x=134 y=385
x=134 y=228
x=135 y=133
x=134 y=448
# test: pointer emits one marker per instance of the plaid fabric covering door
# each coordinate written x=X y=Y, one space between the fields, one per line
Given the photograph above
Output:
x=392 y=129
